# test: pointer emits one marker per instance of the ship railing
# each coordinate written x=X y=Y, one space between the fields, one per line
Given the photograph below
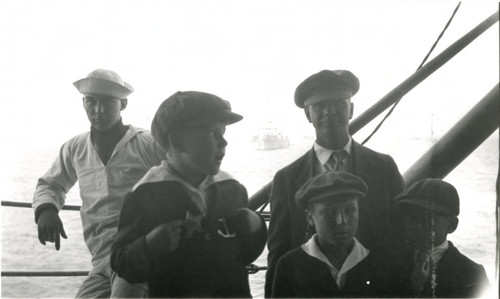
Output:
x=251 y=269
x=468 y=133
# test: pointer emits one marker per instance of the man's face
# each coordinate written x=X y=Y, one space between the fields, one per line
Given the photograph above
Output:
x=336 y=222
x=330 y=115
x=423 y=229
x=204 y=147
x=102 y=111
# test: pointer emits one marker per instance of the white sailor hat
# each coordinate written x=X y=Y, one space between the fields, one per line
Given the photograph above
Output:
x=104 y=82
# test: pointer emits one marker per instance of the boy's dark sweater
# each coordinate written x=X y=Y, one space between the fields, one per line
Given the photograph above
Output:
x=205 y=265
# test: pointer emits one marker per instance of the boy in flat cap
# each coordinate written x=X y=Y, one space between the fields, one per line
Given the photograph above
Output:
x=434 y=267
x=332 y=263
x=106 y=162
x=186 y=228
x=326 y=100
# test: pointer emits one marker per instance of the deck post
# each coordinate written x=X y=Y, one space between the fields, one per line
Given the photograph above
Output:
x=461 y=140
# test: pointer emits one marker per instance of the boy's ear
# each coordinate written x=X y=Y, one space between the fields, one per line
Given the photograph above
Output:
x=453 y=224
x=309 y=217
x=176 y=141
x=308 y=115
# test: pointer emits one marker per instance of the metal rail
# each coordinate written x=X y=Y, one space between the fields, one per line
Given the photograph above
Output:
x=28 y=205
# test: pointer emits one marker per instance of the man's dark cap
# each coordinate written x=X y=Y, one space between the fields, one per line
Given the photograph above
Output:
x=331 y=186
x=433 y=194
x=331 y=85
x=189 y=108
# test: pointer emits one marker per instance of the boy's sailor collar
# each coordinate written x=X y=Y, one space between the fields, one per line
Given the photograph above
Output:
x=357 y=254
x=164 y=172
x=323 y=153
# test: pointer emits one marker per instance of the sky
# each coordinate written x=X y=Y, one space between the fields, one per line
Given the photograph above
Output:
x=252 y=53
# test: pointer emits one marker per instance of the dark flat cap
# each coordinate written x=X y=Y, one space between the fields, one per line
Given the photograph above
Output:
x=432 y=194
x=335 y=85
x=330 y=185
x=187 y=108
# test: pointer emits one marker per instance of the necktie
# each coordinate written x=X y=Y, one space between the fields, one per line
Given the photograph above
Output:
x=336 y=161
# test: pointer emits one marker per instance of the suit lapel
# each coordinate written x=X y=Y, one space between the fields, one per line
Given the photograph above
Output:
x=304 y=169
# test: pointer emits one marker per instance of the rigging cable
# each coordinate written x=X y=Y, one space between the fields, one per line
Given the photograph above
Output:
x=423 y=62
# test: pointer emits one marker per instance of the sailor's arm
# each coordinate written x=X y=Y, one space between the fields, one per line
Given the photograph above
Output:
x=50 y=195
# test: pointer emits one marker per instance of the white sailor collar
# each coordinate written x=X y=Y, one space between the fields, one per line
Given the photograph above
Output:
x=357 y=254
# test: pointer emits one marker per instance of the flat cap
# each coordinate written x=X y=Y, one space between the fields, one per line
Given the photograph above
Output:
x=105 y=83
x=334 y=85
x=330 y=185
x=188 y=108
x=432 y=194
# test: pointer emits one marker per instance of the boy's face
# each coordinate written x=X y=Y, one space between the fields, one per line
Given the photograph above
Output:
x=420 y=227
x=204 y=148
x=336 y=222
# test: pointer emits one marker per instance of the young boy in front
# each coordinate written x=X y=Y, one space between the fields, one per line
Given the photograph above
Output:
x=332 y=263
x=433 y=266
x=185 y=228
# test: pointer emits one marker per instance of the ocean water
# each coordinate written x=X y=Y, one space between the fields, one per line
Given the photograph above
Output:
x=21 y=251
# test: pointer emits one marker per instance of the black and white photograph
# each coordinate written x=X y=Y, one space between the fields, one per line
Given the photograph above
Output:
x=250 y=149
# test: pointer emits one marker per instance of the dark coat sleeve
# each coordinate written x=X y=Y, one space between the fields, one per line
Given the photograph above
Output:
x=251 y=246
x=128 y=253
x=279 y=240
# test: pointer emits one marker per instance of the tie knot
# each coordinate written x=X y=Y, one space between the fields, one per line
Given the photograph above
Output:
x=336 y=160
x=339 y=156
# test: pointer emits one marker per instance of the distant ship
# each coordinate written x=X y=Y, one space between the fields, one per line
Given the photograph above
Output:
x=270 y=138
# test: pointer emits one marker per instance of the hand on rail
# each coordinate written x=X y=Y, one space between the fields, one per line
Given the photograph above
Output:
x=50 y=228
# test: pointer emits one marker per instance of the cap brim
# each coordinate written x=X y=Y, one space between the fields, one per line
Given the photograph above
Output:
x=328 y=95
x=227 y=117
x=103 y=87
x=334 y=195
x=426 y=204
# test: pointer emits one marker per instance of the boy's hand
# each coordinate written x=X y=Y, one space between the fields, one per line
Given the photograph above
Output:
x=243 y=221
x=50 y=228
x=164 y=238
x=420 y=272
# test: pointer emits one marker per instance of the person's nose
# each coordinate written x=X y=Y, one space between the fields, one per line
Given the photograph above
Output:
x=222 y=142
x=99 y=108
x=340 y=218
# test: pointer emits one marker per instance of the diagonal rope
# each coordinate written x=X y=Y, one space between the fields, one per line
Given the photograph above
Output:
x=423 y=62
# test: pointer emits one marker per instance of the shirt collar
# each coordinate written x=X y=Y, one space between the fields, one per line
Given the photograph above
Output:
x=324 y=153
x=438 y=251
x=357 y=254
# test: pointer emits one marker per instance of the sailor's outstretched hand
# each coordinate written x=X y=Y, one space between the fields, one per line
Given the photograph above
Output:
x=50 y=228
x=243 y=221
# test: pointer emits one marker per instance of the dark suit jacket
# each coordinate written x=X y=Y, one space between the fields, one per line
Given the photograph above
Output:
x=457 y=276
x=299 y=275
x=288 y=223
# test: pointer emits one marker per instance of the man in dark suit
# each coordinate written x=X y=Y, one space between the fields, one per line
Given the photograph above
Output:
x=326 y=100
x=433 y=266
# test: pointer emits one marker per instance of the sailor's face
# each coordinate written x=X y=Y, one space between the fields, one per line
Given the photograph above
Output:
x=204 y=148
x=423 y=230
x=102 y=111
x=336 y=222
x=330 y=115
